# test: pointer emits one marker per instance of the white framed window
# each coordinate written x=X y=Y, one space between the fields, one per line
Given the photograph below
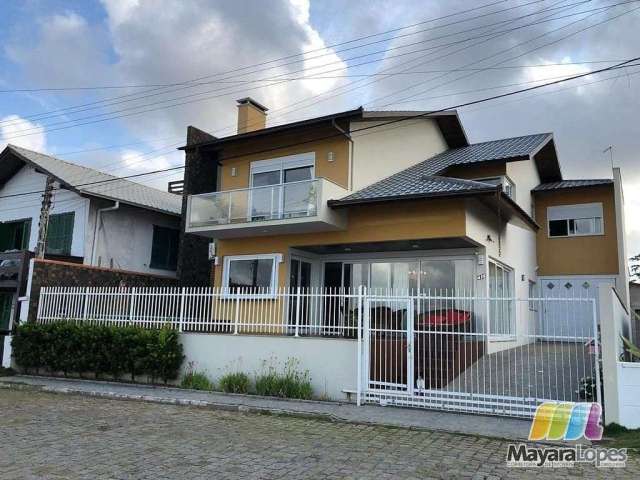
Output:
x=501 y=308
x=508 y=187
x=256 y=274
x=280 y=186
x=575 y=220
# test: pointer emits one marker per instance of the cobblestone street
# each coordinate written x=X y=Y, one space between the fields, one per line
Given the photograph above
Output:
x=53 y=436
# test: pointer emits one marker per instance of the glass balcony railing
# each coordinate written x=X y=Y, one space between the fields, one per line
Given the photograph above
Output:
x=273 y=202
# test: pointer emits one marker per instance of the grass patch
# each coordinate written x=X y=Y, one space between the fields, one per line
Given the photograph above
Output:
x=237 y=382
x=617 y=436
x=196 y=381
x=291 y=383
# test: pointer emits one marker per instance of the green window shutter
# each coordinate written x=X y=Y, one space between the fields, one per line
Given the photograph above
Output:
x=164 y=248
x=60 y=233
x=5 y=236
x=15 y=235
x=26 y=234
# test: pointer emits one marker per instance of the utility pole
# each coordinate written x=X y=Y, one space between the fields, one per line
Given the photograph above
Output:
x=43 y=224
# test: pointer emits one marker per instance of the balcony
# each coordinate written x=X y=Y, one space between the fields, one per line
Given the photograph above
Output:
x=296 y=207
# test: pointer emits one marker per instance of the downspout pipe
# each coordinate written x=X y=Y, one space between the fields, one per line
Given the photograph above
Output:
x=94 y=244
x=347 y=135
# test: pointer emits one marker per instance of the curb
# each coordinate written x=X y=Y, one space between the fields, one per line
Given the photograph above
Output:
x=196 y=403
x=240 y=408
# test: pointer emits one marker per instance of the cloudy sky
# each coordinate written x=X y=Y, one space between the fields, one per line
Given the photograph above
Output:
x=164 y=64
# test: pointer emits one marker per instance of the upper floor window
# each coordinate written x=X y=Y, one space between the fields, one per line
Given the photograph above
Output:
x=280 y=187
x=508 y=187
x=164 y=248
x=14 y=235
x=60 y=233
x=276 y=171
x=575 y=220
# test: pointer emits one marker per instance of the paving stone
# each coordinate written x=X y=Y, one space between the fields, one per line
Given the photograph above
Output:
x=46 y=435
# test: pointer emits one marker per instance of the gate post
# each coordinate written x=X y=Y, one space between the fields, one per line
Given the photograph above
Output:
x=359 y=370
x=410 y=349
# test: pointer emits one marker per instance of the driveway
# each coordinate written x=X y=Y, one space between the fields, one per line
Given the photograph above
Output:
x=45 y=435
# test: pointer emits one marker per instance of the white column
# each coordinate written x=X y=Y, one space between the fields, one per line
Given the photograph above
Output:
x=609 y=339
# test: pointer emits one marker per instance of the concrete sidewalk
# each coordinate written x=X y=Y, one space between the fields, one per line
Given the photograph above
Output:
x=482 y=425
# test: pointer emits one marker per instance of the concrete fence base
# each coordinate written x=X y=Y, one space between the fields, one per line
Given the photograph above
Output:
x=331 y=362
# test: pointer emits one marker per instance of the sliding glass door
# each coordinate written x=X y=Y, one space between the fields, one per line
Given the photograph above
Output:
x=281 y=187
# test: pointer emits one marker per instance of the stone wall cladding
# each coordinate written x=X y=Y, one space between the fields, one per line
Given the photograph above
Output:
x=200 y=176
x=51 y=273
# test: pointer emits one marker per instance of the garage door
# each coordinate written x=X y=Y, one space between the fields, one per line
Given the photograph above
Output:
x=563 y=320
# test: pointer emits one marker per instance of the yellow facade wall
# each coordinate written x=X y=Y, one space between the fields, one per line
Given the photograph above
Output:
x=372 y=223
x=321 y=141
x=585 y=255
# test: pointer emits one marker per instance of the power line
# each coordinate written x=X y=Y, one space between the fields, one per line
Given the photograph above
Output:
x=114 y=115
x=279 y=79
x=624 y=64
x=192 y=82
x=167 y=152
x=430 y=60
x=553 y=42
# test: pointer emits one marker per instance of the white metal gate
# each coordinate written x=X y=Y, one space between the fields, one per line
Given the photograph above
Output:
x=439 y=352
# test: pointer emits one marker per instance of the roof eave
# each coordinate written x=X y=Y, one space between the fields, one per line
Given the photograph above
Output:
x=417 y=196
x=275 y=129
x=574 y=187
x=85 y=193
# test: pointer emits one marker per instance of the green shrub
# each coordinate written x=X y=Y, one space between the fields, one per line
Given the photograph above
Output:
x=196 y=381
x=71 y=347
x=237 y=382
x=290 y=383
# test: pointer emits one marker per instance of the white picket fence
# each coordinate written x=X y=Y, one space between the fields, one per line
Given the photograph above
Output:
x=444 y=350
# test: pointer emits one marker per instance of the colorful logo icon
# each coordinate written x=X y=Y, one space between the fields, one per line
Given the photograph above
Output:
x=567 y=421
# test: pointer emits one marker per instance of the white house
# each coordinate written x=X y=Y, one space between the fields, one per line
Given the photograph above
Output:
x=94 y=219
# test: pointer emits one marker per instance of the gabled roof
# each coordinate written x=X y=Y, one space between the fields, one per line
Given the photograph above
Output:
x=504 y=149
x=423 y=178
x=277 y=128
x=83 y=181
x=447 y=121
x=567 y=184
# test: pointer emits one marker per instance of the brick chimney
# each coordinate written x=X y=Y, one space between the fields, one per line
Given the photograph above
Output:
x=251 y=115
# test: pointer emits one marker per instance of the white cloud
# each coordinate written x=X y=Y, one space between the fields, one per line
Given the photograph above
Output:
x=66 y=51
x=552 y=70
x=11 y=124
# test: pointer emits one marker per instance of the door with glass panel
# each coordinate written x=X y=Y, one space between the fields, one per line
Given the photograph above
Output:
x=300 y=301
x=281 y=188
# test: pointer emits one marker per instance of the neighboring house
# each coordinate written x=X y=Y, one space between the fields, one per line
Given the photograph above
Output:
x=94 y=219
x=344 y=200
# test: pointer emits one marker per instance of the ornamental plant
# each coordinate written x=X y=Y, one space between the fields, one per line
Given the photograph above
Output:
x=80 y=348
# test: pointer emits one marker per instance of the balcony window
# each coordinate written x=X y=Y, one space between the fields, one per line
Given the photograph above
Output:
x=279 y=187
x=575 y=220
